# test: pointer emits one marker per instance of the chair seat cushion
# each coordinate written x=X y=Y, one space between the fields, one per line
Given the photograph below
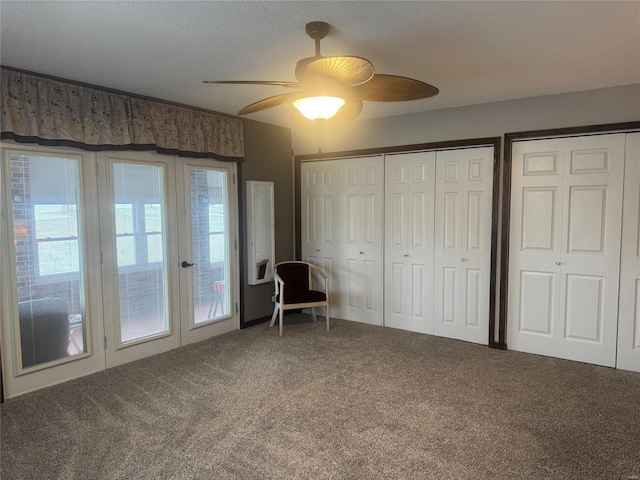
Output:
x=298 y=296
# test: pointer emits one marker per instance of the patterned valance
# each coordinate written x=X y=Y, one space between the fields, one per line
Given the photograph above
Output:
x=37 y=109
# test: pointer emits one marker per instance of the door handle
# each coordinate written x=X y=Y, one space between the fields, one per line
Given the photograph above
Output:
x=464 y=259
x=558 y=263
x=186 y=264
x=361 y=253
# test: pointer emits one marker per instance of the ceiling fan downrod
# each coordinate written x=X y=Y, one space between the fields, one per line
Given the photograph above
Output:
x=317 y=31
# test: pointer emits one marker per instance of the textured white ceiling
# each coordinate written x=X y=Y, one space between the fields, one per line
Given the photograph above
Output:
x=474 y=52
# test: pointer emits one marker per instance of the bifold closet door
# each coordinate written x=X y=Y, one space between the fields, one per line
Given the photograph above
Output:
x=320 y=238
x=629 y=321
x=409 y=220
x=564 y=257
x=361 y=234
x=463 y=243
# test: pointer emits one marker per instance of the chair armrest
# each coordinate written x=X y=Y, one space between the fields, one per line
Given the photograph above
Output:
x=324 y=276
x=279 y=282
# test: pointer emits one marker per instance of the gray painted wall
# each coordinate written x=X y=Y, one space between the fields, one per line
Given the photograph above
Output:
x=592 y=107
x=267 y=158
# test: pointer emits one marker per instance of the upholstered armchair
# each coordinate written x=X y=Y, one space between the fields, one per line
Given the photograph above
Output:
x=293 y=290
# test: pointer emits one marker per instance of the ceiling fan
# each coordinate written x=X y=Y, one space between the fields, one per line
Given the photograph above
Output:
x=341 y=83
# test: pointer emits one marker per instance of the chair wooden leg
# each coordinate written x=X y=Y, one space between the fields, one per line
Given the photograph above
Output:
x=281 y=319
x=327 y=313
x=313 y=314
x=273 y=317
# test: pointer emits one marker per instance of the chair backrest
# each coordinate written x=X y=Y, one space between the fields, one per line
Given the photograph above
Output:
x=295 y=276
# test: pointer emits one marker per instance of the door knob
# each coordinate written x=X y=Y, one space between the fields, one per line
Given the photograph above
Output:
x=361 y=253
x=464 y=259
x=558 y=263
x=406 y=255
x=317 y=250
x=186 y=264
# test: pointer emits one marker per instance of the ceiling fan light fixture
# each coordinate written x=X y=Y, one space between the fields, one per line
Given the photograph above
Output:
x=319 y=107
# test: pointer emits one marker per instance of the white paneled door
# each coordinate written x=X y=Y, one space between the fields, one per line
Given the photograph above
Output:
x=361 y=232
x=629 y=321
x=463 y=243
x=408 y=252
x=320 y=227
x=564 y=255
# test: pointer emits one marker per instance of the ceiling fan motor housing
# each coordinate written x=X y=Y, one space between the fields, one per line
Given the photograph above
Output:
x=317 y=30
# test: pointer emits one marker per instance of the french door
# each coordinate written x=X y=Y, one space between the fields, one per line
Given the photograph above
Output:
x=207 y=248
x=139 y=255
x=109 y=258
x=51 y=316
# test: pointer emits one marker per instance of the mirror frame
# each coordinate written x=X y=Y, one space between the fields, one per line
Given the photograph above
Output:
x=260 y=225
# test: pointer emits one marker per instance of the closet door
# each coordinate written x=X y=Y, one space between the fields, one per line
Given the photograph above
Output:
x=408 y=257
x=361 y=233
x=320 y=187
x=535 y=245
x=565 y=247
x=629 y=322
x=463 y=243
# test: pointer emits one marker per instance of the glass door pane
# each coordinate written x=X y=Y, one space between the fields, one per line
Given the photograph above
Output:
x=209 y=244
x=139 y=226
x=48 y=257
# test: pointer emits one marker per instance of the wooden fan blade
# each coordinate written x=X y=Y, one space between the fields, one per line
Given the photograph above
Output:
x=348 y=71
x=271 y=102
x=257 y=82
x=392 y=88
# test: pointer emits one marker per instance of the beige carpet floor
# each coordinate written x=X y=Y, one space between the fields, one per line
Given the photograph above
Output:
x=358 y=402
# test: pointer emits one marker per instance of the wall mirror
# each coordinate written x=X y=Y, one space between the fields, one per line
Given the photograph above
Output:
x=260 y=232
